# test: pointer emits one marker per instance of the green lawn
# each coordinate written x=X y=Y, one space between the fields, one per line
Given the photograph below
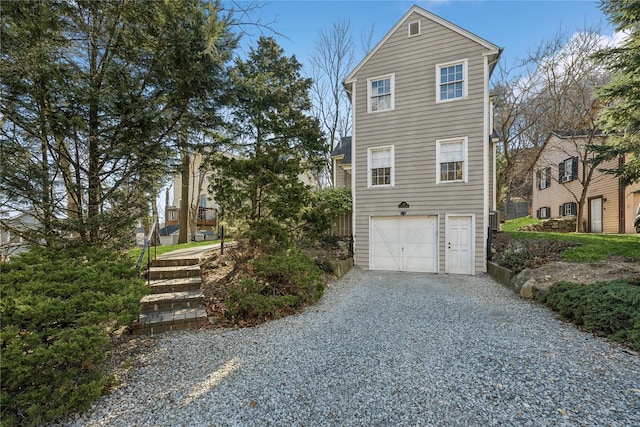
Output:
x=159 y=250
x=592 y=247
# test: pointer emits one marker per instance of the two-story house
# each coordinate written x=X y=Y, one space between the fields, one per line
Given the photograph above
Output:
x=422 y=158
x=560 y=176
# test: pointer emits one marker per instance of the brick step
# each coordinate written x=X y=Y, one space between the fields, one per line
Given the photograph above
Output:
x=168 y=262
x=154 y=322
x=172 y=300
x=175 y=285
x=157 y=273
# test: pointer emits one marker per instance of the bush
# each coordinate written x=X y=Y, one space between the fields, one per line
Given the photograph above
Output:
x=57 y=310
x=282 y=284
x=610 y=309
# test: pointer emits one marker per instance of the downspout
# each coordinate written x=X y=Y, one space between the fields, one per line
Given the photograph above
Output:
x=352 y=92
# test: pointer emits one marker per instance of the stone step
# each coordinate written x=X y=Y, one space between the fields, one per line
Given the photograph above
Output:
x=153 y=322
x=157 y=273
x=172 y=300
x=172 y=262
x=175 y=285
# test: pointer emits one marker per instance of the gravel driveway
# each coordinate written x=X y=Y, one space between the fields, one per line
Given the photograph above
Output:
x=383 y=349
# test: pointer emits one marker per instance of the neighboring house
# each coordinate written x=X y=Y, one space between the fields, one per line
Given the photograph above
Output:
x=11 y=242
x=341 y=159
x=422 y=157
x=199 y=198
x=558 y=175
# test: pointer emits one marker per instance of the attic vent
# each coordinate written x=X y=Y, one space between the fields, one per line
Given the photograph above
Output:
x=414 y=28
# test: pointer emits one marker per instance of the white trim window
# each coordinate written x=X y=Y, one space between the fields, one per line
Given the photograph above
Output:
x=380 y=166
x=544 y=178
x=380 y=93
x=451 y=160
x=451 y=81
x=414 y=28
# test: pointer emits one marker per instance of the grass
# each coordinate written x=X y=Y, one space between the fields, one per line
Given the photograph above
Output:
x=592 y=247
x=159 y=250
x=513 y=224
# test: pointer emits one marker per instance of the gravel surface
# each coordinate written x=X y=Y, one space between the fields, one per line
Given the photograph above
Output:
x=383 y=349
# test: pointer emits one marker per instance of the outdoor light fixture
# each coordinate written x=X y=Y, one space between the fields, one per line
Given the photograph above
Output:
x=403 y=206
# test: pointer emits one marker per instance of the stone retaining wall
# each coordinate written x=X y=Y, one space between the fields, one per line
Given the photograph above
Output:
x=558 y=225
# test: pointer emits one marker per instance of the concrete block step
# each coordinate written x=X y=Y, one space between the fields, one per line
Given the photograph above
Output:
x=175 y=285
x=157 y=273
x=172 y=300
x=154 y=322
x=172 y=262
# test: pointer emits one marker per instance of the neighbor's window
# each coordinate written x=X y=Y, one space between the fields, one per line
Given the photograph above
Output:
x=544 y=213
x=544 y=178
x=451 y=160
x=568 y=169
x=380 y=93
x=568 y=209
x=451 y=81
x=381 y=166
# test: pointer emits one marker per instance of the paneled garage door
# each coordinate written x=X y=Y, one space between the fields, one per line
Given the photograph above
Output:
x=404 y=243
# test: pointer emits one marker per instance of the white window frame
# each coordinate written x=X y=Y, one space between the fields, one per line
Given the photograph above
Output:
x=409 y=28
x=370 y=95
x=465 y=80
x=465 y=161
x=370 y=150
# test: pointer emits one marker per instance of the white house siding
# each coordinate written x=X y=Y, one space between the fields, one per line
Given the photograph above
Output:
x=413 y=128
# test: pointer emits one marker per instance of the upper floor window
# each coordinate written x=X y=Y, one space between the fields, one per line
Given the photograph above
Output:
x=568 y=170
x=451 y=159
x=544 y=178
x=414 y=28
x=380 y=92
x=380 y=166
x=451 y=81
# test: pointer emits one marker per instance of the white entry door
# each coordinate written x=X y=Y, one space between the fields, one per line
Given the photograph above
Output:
x=595 y=213
x=403 y=243
x=459 y=244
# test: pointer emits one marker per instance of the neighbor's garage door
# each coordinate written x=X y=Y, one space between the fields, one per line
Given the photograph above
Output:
x=404 y=243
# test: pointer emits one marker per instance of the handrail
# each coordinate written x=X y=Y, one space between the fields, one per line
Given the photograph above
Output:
x=147 y=241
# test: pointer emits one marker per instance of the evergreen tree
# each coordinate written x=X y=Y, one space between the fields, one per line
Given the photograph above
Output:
x=91 y=92
x=274 y=142
x=621 y=116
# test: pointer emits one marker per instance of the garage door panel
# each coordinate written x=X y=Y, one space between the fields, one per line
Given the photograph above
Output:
x=403 y=244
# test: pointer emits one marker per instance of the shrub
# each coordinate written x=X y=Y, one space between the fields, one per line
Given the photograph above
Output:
x=281 y=284
x=610 y=309
x=57 y=311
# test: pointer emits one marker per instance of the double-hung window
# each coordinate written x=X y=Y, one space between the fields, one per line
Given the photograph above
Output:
x=451 y=81
x=380 y=166
x=380 y=91
x=568 y=169
x=544 y=178
x=451 y=159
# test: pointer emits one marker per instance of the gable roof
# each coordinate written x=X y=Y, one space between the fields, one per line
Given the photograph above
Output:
x=495 y=50
x=343 y=149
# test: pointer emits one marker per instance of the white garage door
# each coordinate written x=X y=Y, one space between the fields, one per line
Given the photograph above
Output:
x=404 y=243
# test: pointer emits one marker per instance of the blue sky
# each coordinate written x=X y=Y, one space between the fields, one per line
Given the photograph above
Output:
x=517 y=26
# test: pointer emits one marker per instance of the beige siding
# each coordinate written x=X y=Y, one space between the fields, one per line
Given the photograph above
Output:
x=601 y=185
x=413 y=128
x=342 y=177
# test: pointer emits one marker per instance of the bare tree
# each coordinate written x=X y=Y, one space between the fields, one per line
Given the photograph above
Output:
x=551 y=90
x=331 y=60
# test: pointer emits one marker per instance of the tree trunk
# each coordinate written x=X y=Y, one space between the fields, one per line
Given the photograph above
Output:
x=93 y=199
x=184 y=202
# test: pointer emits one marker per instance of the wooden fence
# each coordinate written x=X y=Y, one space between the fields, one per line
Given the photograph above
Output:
x=341 y=226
